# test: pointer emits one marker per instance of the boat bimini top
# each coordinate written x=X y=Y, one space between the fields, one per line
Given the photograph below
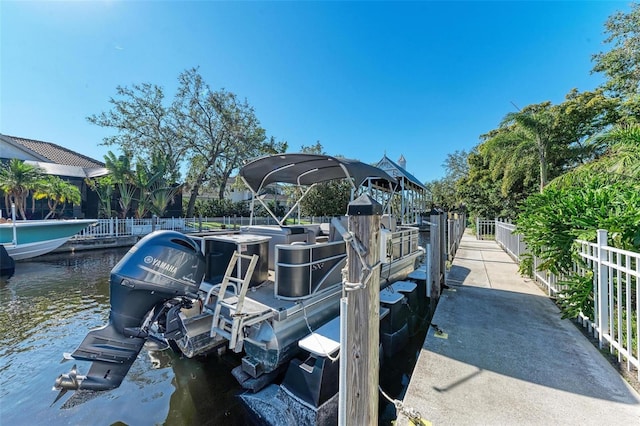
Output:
x=307 y=170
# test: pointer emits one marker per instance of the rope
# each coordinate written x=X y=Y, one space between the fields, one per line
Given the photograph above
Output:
x=412 y=414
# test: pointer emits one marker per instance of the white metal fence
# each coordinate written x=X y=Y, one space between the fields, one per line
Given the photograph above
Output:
x=616 y=287
x=486 y=229
x=115 y=227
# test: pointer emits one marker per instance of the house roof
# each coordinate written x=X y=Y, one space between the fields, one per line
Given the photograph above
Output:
x=52 y=158
x=53 y=153
x=399 y=172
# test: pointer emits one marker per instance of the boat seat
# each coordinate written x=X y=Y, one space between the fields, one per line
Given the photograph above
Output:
x=324 y=341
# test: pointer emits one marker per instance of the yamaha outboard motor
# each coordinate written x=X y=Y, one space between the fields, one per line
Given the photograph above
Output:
x=162 y=272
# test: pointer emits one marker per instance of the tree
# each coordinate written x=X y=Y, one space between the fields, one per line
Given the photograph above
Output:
x=144 y=124
x=327 y=199
x=56 y=192
x=530 y=130
x=220 y=133
x=579 y=119
x=17 y=180
x=621 y=65
x=620 y=160
x=103 y=186
x=121 y=174
x=209 y=132
x=444 y=192
x=154 y=191
x=482 y=189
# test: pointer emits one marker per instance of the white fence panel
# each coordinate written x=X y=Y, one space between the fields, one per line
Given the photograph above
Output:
x=616 y=288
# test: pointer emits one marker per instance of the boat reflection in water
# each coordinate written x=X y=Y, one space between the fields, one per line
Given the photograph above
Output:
x=47 y=307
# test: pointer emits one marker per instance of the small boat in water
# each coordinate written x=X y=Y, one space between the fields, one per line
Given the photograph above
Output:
x=257 y=292
x=24 y=239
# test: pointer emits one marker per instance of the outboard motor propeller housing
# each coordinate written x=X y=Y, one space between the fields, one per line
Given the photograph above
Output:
x=158 y=272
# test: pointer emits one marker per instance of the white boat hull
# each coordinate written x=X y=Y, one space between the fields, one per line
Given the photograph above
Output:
x=27 y=251
x=31 y=238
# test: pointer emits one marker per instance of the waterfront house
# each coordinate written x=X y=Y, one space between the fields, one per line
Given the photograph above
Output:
x=56 y=160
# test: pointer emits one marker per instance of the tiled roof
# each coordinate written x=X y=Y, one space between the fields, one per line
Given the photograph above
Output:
x=56 y=153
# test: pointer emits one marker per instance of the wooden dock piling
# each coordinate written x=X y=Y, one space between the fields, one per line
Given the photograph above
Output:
x=360 y=354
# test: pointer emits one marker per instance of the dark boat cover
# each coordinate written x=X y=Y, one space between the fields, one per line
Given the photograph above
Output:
x=307 y=169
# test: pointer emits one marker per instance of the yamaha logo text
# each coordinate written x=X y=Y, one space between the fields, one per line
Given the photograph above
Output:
x=167 y=267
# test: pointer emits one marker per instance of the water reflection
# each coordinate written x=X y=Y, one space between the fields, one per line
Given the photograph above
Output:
x=46 y=309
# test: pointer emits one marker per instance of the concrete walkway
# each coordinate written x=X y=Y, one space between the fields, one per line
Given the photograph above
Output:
x=507 y=358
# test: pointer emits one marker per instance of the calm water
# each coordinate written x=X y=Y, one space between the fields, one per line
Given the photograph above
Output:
x=46 y=309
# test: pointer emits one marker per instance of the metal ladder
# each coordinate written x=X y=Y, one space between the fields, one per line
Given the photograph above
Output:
x=232 y=329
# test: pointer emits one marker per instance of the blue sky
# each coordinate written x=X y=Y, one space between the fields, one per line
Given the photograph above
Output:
x=419 y=79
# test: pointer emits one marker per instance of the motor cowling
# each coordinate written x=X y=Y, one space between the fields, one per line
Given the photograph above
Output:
x=161 y=266
x=157 y=273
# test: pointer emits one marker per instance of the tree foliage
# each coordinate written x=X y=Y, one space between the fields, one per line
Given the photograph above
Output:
x=621 y=64
x=210 y=133
x=326 y=198
x=122 y=177
x=18 y=180
x=144 y=125
x=604 y=194
x=104 y=187
x=445 y=192
x=57 y=193
x=532 y=147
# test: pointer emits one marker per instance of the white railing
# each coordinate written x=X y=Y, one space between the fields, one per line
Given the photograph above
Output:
x=510 y=242
x=115 y=227
x=485 y=229
x=616 y=287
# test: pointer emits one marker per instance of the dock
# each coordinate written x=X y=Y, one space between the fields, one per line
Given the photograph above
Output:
x=498 y=353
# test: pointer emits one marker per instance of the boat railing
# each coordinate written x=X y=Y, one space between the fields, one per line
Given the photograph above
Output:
x=404 y=242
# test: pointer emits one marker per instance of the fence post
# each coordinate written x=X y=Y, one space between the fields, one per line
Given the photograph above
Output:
x=602 y=302
x=116 y=226
x=111 y=233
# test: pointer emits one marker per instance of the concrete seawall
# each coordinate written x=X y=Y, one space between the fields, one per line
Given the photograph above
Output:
x=96 y=244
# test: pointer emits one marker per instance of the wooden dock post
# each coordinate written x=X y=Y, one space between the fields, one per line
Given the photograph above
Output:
x=359 y=352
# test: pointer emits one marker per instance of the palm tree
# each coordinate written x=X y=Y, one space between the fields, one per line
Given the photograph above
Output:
x=57 y=192
x=620 y=160
x=121 y=173
x=103 y=187
x=534 y=126
x=17 y=180
x=154 y=192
